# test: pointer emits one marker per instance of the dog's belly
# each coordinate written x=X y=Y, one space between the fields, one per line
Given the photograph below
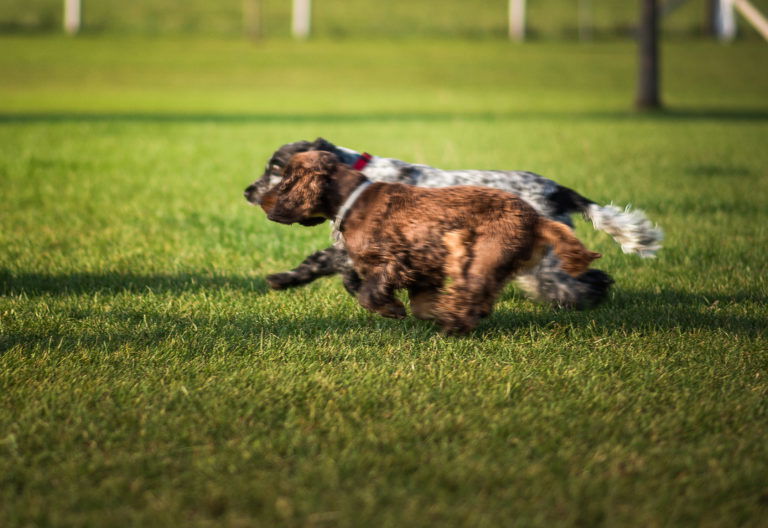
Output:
x=405 y=262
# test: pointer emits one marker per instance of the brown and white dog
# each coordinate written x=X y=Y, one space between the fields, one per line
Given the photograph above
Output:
x=452 y=248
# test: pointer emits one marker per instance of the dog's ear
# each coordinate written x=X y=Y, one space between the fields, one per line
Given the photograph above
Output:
x=301 y=195
x=268 y=200
x=283 y=155
x=309 y=168
x=322 y=144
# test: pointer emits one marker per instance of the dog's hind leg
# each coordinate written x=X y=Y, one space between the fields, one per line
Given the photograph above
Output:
x=458 y=311
x=378 y=295
x=547 y=282
x=318 y=264
x=474 y=279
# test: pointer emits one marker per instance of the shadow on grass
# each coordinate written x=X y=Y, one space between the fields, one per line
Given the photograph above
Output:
x=634 y=312
x=711 y=114
x=196 y=334
x=641 y=311
x=33 y=284
x=720 y=171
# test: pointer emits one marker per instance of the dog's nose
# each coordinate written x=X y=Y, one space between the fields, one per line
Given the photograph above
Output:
x=248 y=191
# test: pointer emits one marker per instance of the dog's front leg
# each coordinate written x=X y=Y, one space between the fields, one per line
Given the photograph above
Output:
x=318 y=264
x=351 y=280
x=344 y=266
x=378 y=295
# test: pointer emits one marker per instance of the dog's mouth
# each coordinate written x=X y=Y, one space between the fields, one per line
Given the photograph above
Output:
x=309 y=222
x=279 y=219
x=256 y=191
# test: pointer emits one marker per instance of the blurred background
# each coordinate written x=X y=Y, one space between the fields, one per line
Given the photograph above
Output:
x=545 y=19
x=425 y=55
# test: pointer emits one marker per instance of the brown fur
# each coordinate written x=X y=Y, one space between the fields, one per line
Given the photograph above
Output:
x=453 y=248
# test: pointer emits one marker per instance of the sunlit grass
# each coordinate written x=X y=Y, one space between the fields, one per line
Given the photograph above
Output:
x=148 y=377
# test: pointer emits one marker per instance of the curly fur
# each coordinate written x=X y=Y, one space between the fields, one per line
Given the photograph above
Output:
x=546 y=282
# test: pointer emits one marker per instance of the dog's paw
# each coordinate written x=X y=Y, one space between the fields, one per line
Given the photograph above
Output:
x=594 y=288
x=281 y=281
x=456 y=330
x=394 y=311
x=457 y=326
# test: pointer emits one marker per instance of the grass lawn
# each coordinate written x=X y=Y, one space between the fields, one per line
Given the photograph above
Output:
x=148 y=376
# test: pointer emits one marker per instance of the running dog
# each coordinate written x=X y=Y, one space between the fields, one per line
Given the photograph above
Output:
x=545 y=282
x=452 y=248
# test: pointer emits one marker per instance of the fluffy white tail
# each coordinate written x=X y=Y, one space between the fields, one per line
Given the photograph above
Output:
x=631 y=229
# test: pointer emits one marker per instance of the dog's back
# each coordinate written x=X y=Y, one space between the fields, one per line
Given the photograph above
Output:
x=424 y=226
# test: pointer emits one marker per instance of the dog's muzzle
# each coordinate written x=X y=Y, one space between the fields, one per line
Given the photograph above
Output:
x=252 y=194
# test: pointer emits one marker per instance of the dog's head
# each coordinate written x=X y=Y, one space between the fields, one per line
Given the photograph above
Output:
x=273 y=172
x=305 y=192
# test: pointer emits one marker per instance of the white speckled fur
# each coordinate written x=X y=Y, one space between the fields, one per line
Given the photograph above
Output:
x=631 y=229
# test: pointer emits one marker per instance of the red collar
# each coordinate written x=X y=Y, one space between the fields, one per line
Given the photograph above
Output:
x=362 y=161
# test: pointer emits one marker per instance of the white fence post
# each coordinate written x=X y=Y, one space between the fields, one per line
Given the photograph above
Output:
x=72 y=16
x=725 y=21
x=302 y=13
x=517 y=20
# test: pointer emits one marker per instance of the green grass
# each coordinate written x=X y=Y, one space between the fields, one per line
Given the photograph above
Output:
x=148 y=377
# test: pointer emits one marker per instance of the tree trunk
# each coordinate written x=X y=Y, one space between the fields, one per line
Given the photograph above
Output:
x=648 y=43
x=710 y=22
